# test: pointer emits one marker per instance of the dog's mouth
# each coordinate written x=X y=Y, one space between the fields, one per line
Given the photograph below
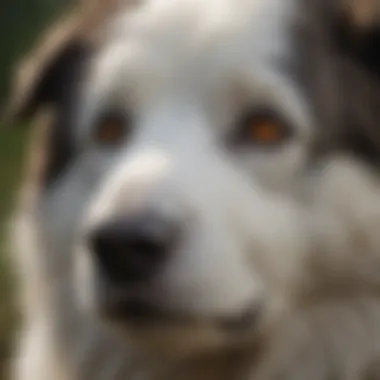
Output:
x=141 y=308
x=140 y=313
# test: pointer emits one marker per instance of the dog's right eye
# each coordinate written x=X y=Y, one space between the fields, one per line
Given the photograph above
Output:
x=262 y=129
x=111 y=130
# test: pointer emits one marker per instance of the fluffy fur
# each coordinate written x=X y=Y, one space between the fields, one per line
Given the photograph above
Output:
x=290 y=232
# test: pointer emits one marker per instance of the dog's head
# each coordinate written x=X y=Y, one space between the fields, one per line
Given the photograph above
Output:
x=193 y=182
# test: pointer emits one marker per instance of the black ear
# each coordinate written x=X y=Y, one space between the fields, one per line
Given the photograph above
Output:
x=47 y=87
x=49 y=80
x=41 y=78
x=339 y=43
x=357 y=32
x=357 y=37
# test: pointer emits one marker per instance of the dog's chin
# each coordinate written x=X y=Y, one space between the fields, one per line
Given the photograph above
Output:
x=167 y=333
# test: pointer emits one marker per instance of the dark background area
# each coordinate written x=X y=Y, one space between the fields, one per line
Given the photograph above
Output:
x=21 y=21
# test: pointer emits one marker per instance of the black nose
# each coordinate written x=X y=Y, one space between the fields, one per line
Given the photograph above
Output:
x=131 y=249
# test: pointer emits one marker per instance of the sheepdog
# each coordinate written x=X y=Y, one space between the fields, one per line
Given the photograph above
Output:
x=202 y=198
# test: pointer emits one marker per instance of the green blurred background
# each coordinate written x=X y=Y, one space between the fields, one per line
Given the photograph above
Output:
x=21 y=21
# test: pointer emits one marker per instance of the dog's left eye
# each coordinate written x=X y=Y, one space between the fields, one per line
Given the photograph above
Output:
x=111 y=130
x=262 y=129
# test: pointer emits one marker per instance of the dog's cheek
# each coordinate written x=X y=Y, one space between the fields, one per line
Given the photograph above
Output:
x=85 y=280
x=351 y=193
x=293 y=357
x=326 y=340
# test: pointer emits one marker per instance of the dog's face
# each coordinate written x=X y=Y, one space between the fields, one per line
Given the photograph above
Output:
x=189 y=200
x=195 y=205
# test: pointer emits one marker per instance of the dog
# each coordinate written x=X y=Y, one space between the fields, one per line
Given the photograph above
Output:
x=203 y=199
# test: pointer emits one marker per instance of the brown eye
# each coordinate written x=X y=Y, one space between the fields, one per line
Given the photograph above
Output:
x=265 y=131
x=111 y=130
x=262 y=129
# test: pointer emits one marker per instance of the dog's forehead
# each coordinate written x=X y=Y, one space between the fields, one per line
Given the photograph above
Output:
x=193 y=20
x=195 y=39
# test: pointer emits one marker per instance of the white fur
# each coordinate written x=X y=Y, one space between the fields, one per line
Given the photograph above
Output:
x=258 y=230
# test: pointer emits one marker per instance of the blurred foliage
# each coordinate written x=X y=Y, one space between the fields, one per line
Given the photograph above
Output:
x=21 y=21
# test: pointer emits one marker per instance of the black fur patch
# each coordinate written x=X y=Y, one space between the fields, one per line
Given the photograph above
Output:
x=339 y=67
x=60 y=87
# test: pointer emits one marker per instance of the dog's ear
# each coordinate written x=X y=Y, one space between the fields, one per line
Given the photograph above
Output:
x=45 y=89
x=361 y=14
x=42 y=76
x=340 y=66
x=37 y=79
x=358 y=72
x=358 y=32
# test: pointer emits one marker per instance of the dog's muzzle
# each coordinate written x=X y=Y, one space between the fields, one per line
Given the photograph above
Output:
x=130 y=252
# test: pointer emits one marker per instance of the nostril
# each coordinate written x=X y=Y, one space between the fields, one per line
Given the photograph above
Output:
x=131 y=249
x=108 y=251
x=147 y=247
